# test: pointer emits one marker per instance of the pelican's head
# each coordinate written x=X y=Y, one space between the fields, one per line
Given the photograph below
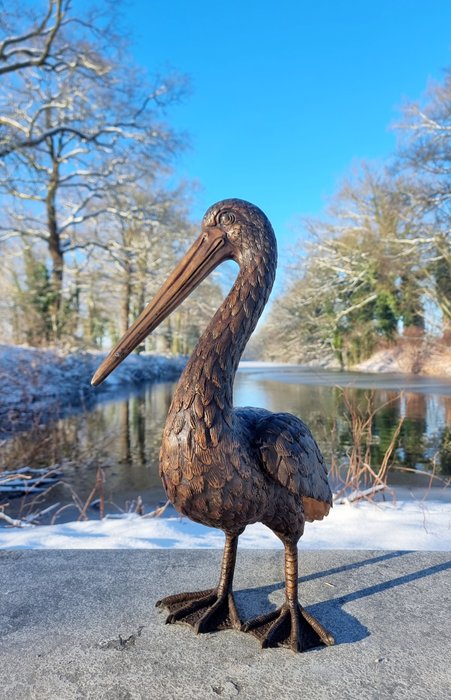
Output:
x=244 y=228
x=231 y=230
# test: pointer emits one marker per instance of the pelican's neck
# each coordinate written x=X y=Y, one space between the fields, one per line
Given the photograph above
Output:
x=212 y=367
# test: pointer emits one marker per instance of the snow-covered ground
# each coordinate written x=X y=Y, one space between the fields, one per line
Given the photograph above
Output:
x=408 y=525
x=49 y=383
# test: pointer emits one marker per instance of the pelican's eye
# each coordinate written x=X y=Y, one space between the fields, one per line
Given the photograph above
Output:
x=226 y=218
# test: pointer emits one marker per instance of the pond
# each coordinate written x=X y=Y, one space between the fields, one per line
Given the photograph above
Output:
x=122 y=436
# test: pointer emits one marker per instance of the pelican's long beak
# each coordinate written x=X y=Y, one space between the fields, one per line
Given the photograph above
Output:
x=210 y=249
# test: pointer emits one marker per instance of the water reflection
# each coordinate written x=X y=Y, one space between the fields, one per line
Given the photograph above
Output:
x=422 y=441
x=123 y=436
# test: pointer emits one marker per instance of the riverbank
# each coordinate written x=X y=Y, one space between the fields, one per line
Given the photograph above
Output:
x=421 y=356
x=40 y=384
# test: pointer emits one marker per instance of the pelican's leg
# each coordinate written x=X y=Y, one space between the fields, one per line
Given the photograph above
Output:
x=209 y=610
x=290 y=625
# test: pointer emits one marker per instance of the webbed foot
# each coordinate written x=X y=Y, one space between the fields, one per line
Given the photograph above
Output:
x=289 y=626
x=205 y=611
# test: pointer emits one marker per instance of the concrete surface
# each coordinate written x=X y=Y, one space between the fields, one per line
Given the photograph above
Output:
x=82 y=624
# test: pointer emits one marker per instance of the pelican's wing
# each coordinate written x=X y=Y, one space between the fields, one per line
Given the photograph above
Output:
x=290 y=455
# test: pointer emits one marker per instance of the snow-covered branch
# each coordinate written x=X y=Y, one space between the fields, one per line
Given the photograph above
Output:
x=32 y=47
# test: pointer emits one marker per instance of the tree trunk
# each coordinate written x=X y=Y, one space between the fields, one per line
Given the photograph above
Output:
x=55 y=248
x=125 y=301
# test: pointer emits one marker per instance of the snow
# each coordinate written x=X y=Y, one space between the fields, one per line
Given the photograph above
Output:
x=407 y=525
x=419 y=355
x=49 y=383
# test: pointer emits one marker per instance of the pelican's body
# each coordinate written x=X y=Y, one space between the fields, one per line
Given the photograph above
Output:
x=246 y=479
x=227 y=467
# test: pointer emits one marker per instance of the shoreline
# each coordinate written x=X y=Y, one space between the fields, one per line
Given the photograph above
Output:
x=355 y=378
x=38 y=385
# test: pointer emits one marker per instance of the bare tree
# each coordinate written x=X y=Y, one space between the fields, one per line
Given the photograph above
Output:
x=70 y=134
x=380 y=255
x=425 y=154
x=425 y=147
x=350 y=285
x=30 y=43
x=134 y=259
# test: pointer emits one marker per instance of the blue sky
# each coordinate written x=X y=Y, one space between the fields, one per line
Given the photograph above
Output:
x=287 y=95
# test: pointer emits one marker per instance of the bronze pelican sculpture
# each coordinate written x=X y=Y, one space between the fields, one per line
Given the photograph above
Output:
x=228 y=467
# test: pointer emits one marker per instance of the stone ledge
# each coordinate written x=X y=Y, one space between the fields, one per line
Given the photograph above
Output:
x=82 y=624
